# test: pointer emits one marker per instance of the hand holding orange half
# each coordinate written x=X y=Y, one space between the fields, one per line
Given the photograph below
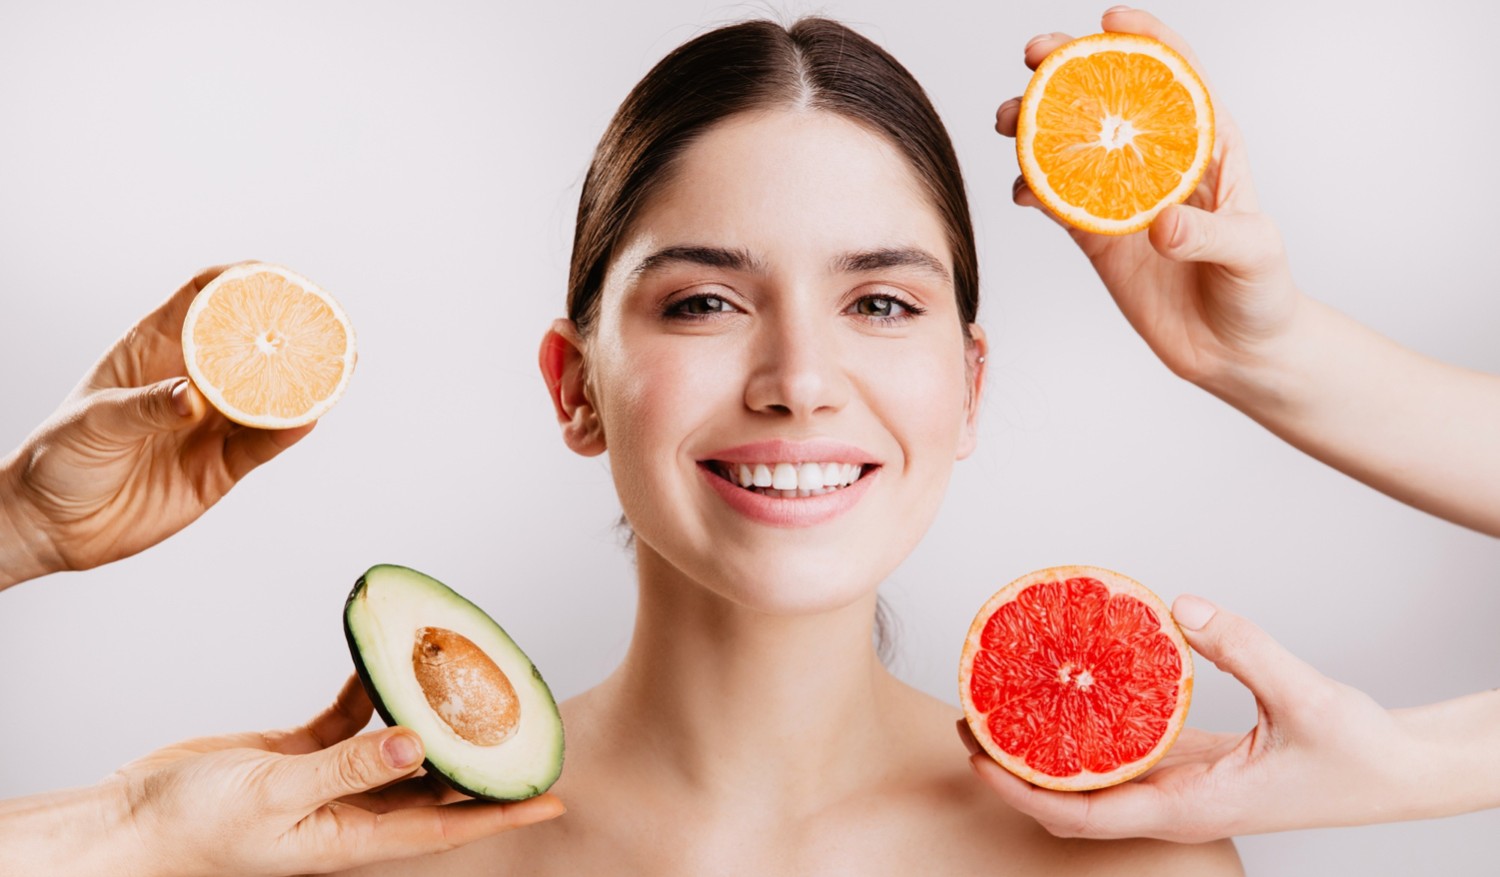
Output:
x=1208 y=284
x=133 y=454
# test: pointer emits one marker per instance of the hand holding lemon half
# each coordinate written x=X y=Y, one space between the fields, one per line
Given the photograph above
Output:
x=267 y=347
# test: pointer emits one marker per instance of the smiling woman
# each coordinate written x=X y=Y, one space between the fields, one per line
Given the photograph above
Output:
x=771 y=330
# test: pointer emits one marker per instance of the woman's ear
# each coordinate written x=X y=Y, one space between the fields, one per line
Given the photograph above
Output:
x=562 y=362
x=976 y=352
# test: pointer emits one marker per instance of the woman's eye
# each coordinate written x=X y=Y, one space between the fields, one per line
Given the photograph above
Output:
x=700 y=306
x=884 y=308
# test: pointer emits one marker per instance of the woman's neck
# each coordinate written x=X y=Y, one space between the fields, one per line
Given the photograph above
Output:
x=735 y=702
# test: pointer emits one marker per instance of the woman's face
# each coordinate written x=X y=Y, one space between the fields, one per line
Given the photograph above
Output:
x=783 y=310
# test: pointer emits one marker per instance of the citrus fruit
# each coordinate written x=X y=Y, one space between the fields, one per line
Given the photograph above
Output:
x=1113 y=129
x=267 y=347
x=1075 y=677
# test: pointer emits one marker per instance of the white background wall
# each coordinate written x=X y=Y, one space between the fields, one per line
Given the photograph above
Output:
x=422 y=162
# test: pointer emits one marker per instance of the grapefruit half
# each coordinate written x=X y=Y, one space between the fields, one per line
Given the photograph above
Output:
x=1075 y=677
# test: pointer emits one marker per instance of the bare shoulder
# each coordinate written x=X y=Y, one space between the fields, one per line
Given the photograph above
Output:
x=982 y=834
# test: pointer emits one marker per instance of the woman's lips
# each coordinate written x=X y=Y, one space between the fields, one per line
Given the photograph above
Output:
x=783 y=510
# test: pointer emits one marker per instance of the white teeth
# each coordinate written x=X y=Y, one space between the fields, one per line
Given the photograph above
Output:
x=792 y=479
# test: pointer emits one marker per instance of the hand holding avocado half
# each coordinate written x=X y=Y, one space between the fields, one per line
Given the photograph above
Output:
x=134 y=435
x=308 y=800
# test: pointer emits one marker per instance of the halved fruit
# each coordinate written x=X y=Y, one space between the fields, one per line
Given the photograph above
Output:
x=267 y=347
x=1075 y=677
x=435 y=663
x=1114 y=128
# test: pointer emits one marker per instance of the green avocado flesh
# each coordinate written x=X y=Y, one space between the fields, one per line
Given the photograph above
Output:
x=436 y=664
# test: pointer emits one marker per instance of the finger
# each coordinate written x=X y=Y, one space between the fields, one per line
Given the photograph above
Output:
x=126 y=416
x=246 y=447
x=1126 y=810
x=1022 y=195
x=365 y=838
x=1274 y=675
x=1006 y=115
x=1138 y=21
x=350 y=767
x=346 y=716
x=1042 y=45
x=1247 y=244
x=424 y=791
x=966 y=735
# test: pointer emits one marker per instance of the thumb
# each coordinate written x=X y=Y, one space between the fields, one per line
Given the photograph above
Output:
x=160 y=407
x=1274 y=675
x=356 y=765
x=1246 y=244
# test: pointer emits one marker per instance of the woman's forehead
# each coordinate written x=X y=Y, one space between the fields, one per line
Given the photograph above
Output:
x=789 y=184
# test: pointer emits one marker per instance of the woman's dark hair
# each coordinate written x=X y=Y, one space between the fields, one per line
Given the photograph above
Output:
x=757 y=65
x=815 y=64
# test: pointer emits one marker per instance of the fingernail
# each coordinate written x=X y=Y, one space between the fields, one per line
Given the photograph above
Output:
x=1038 y=38
x=401 y=750
x=180 y=402
x=1113 y=9
x=967 y=735
x=1193 y=612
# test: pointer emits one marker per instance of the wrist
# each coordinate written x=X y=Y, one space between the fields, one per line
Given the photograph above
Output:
x=1267 y=373
x=82 y=831
x=25 y=550
x=1454 y=763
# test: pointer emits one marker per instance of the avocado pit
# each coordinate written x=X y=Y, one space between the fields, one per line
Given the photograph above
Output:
x=465 y=687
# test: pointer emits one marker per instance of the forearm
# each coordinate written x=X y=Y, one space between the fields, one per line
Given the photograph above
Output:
x=1454 y=763
x=22 y=543
x=1422 y=431
x=76 y=831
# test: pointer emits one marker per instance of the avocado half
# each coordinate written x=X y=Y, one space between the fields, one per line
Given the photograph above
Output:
x=436 y=664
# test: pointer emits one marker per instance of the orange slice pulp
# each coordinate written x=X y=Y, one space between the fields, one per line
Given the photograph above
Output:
x=267 y=347
x=1114 y=128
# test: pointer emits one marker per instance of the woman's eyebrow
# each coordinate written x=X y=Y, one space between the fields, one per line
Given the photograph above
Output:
x=891 y=257
x=711 y=257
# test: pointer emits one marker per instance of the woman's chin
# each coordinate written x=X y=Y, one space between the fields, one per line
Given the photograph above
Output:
x=791 y=585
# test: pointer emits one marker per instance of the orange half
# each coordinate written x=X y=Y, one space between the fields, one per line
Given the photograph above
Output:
x=267 y=347
x=1113 y=129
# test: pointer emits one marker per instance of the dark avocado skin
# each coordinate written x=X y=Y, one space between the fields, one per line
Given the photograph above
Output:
x=385 y=714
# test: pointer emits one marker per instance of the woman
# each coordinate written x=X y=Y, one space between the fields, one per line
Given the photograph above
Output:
x=771 y=330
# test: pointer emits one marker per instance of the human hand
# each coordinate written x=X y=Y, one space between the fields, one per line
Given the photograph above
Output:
x=310 y=800
x=1321 y=754
x=1208 y=287
x=133 y=455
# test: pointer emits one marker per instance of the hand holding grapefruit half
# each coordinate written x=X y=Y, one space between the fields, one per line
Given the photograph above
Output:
x=1075 y=677
x=1113 y=128
x=267 y=347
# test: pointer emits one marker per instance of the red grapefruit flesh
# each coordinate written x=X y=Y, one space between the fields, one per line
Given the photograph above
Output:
x=1075 y=678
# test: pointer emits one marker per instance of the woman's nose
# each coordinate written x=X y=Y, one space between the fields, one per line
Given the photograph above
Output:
x=796 y=368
